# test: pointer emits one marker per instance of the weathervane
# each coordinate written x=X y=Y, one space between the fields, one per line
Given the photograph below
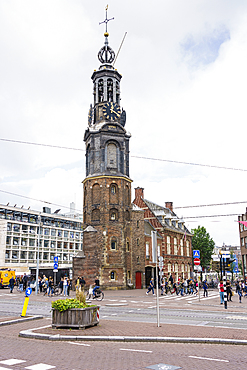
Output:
x=106 y=54
x=106 y=20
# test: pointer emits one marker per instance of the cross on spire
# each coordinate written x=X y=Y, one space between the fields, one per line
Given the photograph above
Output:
x=106 y=20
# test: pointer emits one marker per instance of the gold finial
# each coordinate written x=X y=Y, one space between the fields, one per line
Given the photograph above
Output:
x=106 y=8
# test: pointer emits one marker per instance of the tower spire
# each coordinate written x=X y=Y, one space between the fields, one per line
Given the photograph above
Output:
x=106 y=54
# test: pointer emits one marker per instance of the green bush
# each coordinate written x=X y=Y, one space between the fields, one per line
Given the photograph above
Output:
x=65 y=304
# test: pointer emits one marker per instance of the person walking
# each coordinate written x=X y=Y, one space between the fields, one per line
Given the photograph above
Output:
x=205 y=288
x=11 y=284
x=239 y=290
x=151 y=286
x=21 y=284
x=50 y=287
x=65 y=286
x=221 y=291
x=186 y=286
x=228 y=291
x=25 y=279
x=61 y=286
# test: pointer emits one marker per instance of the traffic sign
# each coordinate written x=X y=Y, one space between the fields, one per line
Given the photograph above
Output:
x=55 y=266
x=55 y=259
x=196 y=253
x=197 y=261
x=28 y=292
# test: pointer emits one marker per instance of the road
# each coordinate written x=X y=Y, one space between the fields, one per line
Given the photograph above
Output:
x=128 y=306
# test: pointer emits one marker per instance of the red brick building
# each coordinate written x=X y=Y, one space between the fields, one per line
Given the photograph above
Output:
x=173 y=238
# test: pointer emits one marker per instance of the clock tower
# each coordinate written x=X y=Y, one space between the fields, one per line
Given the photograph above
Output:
x=108 y=217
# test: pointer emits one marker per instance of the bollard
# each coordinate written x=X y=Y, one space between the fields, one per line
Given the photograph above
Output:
x=26 y=300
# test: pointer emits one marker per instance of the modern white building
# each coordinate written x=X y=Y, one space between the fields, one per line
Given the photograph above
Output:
x=20 y=231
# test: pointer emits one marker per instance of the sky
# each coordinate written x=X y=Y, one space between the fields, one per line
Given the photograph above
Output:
x=183 y=88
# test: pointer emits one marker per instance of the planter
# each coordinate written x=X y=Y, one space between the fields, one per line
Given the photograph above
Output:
x=78 y=318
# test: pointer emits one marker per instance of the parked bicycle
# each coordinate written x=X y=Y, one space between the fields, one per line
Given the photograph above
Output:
x=98 y=294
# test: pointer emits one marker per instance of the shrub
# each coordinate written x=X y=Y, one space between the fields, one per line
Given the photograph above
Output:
x=65 y=304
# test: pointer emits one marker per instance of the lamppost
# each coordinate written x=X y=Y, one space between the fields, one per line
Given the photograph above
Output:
x=37 y=267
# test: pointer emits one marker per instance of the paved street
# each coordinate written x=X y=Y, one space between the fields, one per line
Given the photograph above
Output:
x=132 y=313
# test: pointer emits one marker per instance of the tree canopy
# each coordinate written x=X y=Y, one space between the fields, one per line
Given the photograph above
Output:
x=202 y=241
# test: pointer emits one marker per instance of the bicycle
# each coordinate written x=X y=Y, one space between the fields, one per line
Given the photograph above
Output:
x=98 y=294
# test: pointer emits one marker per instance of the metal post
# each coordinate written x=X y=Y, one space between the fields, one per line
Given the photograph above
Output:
x=157 y=290
x=224 y=283
x=37 y=267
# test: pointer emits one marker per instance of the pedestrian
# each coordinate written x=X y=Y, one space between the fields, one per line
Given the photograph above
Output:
x=11 y=284
x=82 y=282
x=171 y=279
x=205 y=288
x=21 y=284
x=65 y=286
x=25 y=279
x=69 y=286
x=239 y=290
x=45 y=285
x=181 y=287
x=162 y=286
x=151 y=286
x=61 y=286
x=50 y=287
x=228 y=291
x=40 y=284
x=186 y=286
x=221 y=291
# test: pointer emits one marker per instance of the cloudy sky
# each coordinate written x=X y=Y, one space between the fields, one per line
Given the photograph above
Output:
x=183 y=89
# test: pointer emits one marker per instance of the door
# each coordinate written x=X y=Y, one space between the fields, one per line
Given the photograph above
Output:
x=138 y=280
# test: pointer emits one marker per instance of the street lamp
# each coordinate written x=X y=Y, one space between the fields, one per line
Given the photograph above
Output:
x=37 y=267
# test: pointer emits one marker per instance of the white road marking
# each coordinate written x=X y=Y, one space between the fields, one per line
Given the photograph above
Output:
x=4 y=368
x=80 y=344
x=208 y=358
x=12 y=361
x=40 y=367
x=135 y=350
x=114 y=314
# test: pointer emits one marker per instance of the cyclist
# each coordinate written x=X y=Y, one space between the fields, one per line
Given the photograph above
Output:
x=96 y=285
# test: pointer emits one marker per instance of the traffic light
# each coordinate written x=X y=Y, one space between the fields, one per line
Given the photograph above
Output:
x=229 y=261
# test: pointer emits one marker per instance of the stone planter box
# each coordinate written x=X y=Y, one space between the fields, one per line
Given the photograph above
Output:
x=79 y=318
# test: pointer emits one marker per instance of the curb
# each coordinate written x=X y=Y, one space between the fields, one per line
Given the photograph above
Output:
x=57 y=337
x=17 y=321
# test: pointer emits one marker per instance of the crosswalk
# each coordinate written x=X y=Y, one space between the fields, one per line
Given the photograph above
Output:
x=14 y=361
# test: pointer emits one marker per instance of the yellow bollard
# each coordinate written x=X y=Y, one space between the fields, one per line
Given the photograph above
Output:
x=24 y=309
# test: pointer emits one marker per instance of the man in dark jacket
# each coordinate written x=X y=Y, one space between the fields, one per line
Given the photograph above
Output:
x=11 y=284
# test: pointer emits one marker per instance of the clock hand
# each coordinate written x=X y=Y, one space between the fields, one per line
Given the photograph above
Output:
x=115 y=112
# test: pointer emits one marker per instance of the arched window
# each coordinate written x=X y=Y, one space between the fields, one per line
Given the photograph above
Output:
x=109 y=90
x=84 y=218
x=169 y=267
x=181 y=247
x=96 y=194
x=188 y=248
x=85 y=196
x=101 y=90
x=175 y=246
x=127 y=246
x=111 y=156
x=96 y=215
x=113 y=214
x=113 y=194
x=168 y=241
x=113 y=243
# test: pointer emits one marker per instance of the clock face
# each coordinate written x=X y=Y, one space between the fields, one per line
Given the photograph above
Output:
x=111 y=111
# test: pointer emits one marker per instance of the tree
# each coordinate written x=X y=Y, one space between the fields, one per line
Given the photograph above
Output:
x=202 y=241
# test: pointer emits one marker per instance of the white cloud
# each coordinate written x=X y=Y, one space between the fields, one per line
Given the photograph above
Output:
x=49 y=51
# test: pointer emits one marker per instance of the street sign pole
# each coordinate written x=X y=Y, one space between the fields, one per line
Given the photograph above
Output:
x=155 y=259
